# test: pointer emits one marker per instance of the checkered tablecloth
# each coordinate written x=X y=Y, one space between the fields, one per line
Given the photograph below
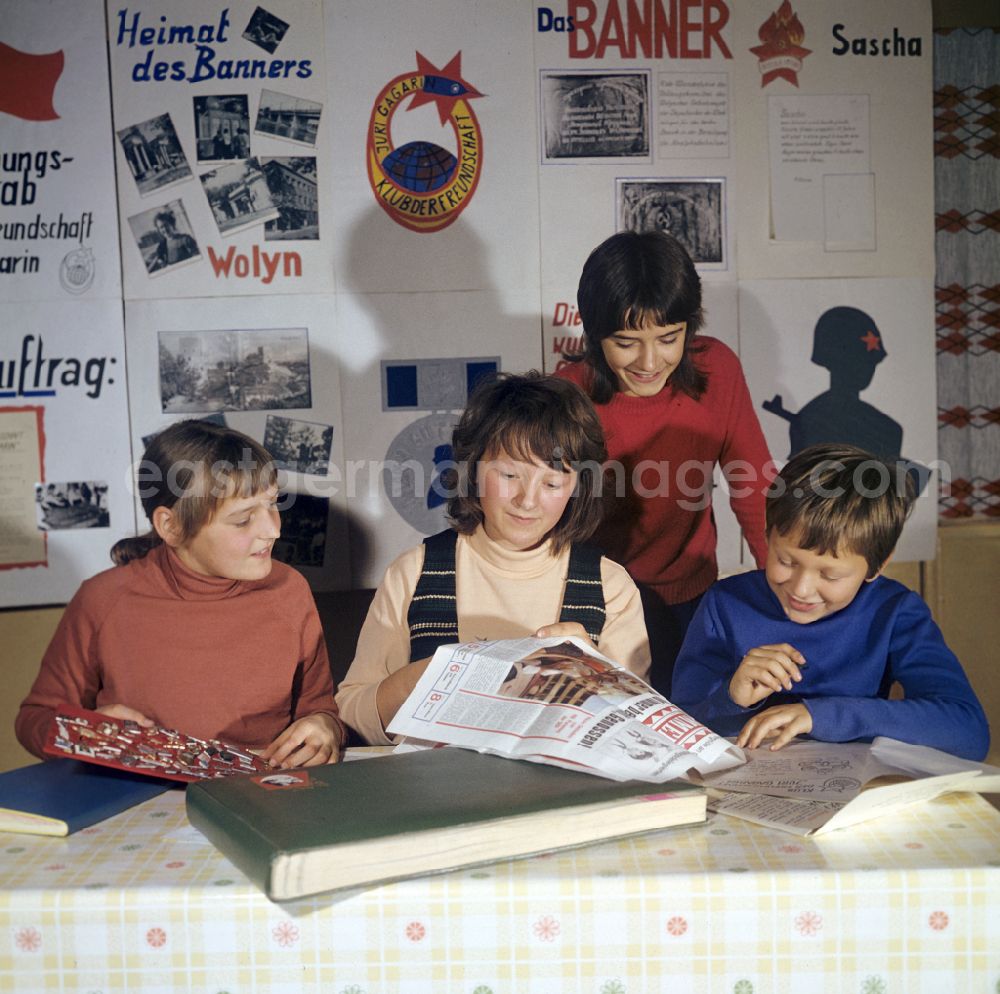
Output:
x=908 y=904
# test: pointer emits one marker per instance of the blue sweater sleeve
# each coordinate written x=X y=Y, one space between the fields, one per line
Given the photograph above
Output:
x=705 y=665
x=939 y=709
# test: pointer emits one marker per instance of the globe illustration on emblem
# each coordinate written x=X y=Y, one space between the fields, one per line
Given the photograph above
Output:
x=420 y=166
x=423 y=185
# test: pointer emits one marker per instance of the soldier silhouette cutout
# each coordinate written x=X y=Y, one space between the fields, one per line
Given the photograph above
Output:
x=848 y=343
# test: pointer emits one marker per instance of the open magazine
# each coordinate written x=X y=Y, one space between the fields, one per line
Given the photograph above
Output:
x=810 y=788
x=558 y=701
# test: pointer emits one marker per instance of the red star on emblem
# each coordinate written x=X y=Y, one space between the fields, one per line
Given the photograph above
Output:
x=872 y=341
x=451 y=73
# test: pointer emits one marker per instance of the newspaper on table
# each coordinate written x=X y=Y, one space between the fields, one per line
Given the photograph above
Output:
x=810 y=788
x=558 y=701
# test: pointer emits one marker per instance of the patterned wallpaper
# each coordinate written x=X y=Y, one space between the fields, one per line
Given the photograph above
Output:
x=967 y=221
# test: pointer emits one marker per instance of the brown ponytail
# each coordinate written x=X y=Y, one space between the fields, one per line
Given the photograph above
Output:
x=134 y=547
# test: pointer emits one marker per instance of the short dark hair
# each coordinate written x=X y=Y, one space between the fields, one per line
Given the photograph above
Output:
x=633 y=280
x=529 y=416
x=836 y=497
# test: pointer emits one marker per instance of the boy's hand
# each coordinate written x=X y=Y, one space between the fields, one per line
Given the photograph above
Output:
x=561 y=629
x=310 y=741
x=782 y=723
x=766 y=670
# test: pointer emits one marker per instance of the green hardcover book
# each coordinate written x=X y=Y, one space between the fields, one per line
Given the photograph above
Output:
x=301 y=832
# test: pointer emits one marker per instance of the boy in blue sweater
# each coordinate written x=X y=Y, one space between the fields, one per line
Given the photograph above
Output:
x=811 y=644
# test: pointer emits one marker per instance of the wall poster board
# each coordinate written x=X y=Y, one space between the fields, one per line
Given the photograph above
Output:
x=321 y=222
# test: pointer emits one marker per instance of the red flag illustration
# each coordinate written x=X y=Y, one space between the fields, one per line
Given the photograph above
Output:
x=28 y=83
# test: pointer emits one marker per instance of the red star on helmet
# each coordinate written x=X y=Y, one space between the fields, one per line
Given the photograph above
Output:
x=872 y=342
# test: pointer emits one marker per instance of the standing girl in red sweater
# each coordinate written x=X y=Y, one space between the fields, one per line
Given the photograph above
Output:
x=196 y=628
x=673 y=405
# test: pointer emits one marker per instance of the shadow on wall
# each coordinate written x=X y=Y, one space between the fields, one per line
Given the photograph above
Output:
x=405 y=295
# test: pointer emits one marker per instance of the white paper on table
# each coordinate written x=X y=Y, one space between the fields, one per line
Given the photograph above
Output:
x=811 y=788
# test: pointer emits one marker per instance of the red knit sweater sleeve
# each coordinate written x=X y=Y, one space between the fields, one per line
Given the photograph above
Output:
x=317 y=683
x=745 y=459
x=69 y=672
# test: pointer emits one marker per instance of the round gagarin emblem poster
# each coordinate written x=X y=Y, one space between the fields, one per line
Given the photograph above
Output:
x=422 y=185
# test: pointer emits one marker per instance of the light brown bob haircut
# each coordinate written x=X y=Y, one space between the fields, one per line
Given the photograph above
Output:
x=191 y=468
x=839 y=498
x=529 y=417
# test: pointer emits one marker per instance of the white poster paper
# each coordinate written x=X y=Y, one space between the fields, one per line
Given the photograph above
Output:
x=221 y=144
x=433 y=133
x=813 y=137
x=694 y=115
x=833 y=129
x=22 y=436
x=849 y=212
x=58 y=219
x=668 y=162
x=65 y=360
x=842 y=361
x=268 y=367
x=399 y=429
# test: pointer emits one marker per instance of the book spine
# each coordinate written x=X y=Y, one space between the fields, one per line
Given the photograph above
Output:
x=232 y=835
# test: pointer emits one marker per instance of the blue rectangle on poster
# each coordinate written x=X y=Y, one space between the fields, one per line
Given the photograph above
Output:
x=432 y=384
x=475 y=371
x=400 y=386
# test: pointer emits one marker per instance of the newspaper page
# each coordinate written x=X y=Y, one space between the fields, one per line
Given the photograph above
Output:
x=810 y=788
x=558 y=701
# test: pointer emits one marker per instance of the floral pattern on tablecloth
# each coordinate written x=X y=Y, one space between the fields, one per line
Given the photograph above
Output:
x=731 y=908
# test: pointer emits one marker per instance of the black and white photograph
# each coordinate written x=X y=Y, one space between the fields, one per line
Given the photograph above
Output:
x=154 y=154
x=690 y=210
x=222 y=127
x=595 y=115
x=163 y=236
x=265 y=30
x=284 y=116
x=298 y=446
x=304 y=520
x=292 y=182
x=81 y=504
x=238 y=195
x=255 y=369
